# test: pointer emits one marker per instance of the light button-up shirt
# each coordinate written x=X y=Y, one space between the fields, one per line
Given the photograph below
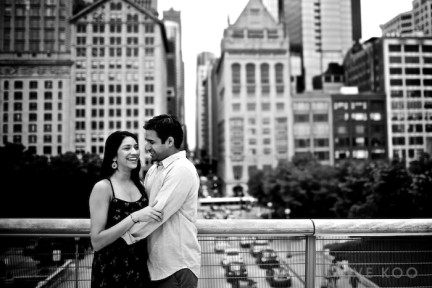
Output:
x=172 y=243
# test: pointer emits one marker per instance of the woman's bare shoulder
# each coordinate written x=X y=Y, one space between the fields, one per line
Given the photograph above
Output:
x=102 y=189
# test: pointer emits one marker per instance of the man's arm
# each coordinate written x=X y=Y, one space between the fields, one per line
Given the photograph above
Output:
x=175 y=189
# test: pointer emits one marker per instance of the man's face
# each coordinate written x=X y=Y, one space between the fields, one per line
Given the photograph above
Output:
x=158 y=150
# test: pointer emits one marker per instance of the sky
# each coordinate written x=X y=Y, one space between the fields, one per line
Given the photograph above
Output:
x=203 y=23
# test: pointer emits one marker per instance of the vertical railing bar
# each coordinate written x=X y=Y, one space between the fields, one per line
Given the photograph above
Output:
x=76 y=261
x=310 y=261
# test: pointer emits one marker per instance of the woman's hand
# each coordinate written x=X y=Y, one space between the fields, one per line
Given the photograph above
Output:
x=147 y=214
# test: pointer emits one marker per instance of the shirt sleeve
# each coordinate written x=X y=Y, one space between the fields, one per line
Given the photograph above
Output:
x=177 y=185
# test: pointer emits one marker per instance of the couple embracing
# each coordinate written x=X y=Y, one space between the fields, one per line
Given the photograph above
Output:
x=144 y=233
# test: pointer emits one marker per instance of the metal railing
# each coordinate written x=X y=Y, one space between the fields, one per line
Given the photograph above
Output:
x=313 y=252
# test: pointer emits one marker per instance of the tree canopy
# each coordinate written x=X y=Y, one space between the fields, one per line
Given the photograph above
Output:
x=349 y=190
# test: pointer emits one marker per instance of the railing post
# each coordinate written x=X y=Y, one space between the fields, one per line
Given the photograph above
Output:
x=310 y=261
x=76 y=261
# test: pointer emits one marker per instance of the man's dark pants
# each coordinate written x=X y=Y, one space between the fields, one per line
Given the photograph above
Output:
x=183 y=278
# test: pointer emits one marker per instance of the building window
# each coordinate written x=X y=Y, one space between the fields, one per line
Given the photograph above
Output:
x=265 y=73
x=301 y=118
x=250 y=73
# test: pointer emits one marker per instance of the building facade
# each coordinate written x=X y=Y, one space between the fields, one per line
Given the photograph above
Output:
x=359 y=126
x=402 y=69
x=320 y=32
x=35 y=75
x=119 y=78
x=400 y=25
x=254 y=99
x=312 y=128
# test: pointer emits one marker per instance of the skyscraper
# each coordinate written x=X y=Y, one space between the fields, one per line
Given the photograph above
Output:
x=320 y=32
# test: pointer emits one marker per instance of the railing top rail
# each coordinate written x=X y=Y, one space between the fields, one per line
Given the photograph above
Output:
x=305 y=227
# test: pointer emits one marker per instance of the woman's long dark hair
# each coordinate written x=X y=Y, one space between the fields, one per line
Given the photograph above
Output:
x=112 y=145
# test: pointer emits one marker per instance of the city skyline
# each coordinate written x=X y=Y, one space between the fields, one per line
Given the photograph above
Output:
x=195 y=12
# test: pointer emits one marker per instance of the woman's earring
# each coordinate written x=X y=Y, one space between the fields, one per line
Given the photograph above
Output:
x=114 y=165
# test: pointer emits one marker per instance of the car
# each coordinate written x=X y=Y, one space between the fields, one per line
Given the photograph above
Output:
x=257 y=246
x=246 y=242
x=278 y=276
x=267 y=258
x=221 y=246
x=231 y=255
x=236 y=271
x=244 y=283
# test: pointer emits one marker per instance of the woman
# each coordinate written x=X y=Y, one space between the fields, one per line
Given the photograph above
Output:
x=116 y=204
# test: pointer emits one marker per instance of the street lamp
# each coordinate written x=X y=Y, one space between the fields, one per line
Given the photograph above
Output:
x=287 y=213
x=270 y=205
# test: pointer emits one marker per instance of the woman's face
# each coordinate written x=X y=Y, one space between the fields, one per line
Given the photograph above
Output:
x=128 y=153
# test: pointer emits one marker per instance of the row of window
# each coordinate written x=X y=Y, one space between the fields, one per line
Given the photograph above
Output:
x=47 y=106
x=341 y=154
x=412 y=128
x=32 y=128
x=256 y=34
x=410 y=60
x=358 y=142
x=113 y=51
x=359 y=105
x=410 y=71
x=251 y=90
x=411 y=93
x=19 y=96
x=410 y=48
x=32 y=117
x=100 y=125
x=264 y=70
x=114 y=40
x=306 y=143
x=373 y=116
x=305 y=118
x=411 y=105
x=18 y=85
x=236 y=107
x=413 y=140
x=359 y=129
x=112 y=88
x=401 y=115
x=401 y=153
x=411 y=82
x=113 y=28
x=80 y=113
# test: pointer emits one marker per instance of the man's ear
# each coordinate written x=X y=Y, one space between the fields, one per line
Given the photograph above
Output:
x=170 y=141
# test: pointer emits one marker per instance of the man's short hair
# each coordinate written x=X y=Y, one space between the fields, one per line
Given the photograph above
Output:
x=165 y=126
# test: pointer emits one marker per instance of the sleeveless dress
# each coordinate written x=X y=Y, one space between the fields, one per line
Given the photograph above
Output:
x=119 y=265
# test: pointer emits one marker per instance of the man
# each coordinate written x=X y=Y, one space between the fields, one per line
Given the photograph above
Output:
x=172 y=183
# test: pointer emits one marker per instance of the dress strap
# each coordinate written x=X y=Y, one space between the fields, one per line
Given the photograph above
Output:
x=112 y=188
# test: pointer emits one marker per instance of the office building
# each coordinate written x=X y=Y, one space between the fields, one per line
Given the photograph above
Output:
x=119 y=77
x=359 y=126
x=400 y=25
x=35 y=75
x=320 y=32
x=312 y=128
x=402 y=69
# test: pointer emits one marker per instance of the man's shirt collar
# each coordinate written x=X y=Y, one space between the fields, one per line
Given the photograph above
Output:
x=170 y=159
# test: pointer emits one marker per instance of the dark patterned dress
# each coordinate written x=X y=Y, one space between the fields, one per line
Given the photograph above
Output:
x=119 y=265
